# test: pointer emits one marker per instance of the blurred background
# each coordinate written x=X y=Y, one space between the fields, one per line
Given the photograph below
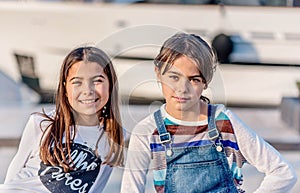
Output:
x=257 y=43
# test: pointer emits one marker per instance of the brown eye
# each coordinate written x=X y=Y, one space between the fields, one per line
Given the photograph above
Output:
x=195 y=80
x=98 y=81
x=76 y=82
x=175 y=78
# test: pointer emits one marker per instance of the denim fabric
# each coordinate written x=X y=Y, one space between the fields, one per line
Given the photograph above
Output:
x=197 y=169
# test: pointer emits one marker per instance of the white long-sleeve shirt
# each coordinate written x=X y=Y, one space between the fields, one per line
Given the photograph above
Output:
x=24 y=172
x=241 y=144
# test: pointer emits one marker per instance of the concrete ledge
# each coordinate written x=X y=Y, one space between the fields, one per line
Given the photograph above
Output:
x=290 y=112
x=13 y=142
x=285 y=146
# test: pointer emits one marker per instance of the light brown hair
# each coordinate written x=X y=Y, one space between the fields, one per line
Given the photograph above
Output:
x=62 y=124
x=192 y=46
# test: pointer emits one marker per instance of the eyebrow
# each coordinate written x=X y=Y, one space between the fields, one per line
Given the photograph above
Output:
x=196 y=76
x=174 y=72
x=189 y=77
x=97 y=76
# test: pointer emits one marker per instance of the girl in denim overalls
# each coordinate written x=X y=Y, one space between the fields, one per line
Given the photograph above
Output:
x=191 y=145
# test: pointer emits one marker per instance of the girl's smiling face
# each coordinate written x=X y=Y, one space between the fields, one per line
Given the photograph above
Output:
x=87 y=88
x=182 y=86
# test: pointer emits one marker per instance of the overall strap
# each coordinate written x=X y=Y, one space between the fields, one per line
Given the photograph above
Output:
x=213 y=133
x=164 y=135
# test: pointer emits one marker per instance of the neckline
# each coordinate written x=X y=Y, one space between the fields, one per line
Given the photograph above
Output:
x=83 y=134
x=181 y=122
x=94 y=127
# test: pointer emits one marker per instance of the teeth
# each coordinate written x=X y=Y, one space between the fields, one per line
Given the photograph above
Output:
x=88 y=101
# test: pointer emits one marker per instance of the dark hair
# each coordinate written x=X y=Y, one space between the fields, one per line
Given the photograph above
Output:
x=192 y=46
x=63 y=121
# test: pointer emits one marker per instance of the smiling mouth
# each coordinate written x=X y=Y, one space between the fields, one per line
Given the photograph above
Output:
x=89 y=101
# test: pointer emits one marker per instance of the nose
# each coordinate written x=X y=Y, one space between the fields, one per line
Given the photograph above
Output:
x=89 y=89
x=183 y=85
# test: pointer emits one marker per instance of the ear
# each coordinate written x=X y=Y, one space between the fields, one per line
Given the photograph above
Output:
x=157 y=72
x=205 y=86
x=64 y=85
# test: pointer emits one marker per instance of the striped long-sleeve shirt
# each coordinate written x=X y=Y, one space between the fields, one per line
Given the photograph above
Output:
x=240 y=142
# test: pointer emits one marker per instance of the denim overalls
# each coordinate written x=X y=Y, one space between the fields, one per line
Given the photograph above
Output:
x=201 y=169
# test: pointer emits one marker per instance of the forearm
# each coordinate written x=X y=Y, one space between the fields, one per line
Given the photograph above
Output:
x=279 y=174
x=136 y=167
x=29 y=139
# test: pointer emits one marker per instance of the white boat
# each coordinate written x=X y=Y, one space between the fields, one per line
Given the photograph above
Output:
x=260 y=64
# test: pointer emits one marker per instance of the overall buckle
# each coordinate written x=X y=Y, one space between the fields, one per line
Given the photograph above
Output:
x=165 y=138
x=213 y=134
